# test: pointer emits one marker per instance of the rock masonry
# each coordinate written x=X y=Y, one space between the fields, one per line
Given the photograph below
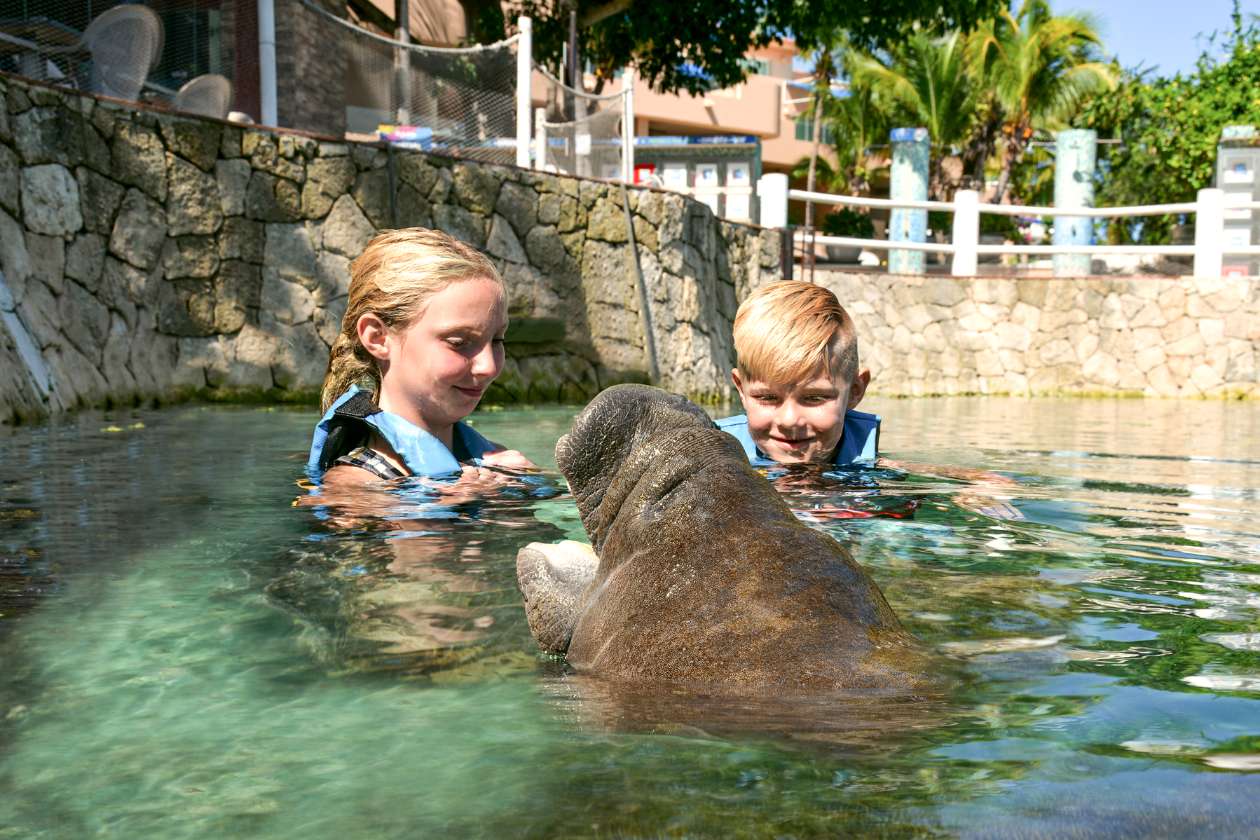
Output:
x=149 y=256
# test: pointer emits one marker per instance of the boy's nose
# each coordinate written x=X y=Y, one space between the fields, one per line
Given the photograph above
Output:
x=787 y=416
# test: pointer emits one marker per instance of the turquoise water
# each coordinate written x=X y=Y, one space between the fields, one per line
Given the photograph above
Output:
x=186 y=653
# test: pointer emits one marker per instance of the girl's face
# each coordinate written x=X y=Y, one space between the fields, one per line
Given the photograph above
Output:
x=437 y=368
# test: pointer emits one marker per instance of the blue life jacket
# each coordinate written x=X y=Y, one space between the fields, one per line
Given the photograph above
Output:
x=351 y=420
x=859 y=443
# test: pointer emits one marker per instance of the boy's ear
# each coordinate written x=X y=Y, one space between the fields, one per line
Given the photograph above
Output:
x=739 y=384
x=858 y=389
x=373 y=335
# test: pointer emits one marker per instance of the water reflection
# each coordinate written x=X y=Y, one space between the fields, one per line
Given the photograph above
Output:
x=185 y=654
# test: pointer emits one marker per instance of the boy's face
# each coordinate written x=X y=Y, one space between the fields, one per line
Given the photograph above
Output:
x=800 y=423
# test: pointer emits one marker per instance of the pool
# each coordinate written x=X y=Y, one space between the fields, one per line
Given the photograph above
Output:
x=185 y=653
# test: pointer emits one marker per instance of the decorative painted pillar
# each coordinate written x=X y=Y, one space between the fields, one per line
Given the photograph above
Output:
x=1075 y=153
x=909 y=182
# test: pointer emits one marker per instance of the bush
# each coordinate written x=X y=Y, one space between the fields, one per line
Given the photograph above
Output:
x=846 y=222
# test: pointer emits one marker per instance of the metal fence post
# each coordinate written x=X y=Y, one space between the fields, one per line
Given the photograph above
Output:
x=1075 y=157
x=908 y=182
x=627 y=125
x=966 y=235
x=540 y=139
x=1209 y=233
x=524 y=70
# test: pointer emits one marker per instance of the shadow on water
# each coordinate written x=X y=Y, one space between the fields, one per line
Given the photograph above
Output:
x=186 y=654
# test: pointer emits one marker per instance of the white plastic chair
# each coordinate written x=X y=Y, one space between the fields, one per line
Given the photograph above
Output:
x=125 y=42
x=209 y=95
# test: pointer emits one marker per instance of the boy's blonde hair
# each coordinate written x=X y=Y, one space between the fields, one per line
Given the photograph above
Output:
x=790 y=331
x=393 y=279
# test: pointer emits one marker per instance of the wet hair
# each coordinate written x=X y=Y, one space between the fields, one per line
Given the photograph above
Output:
x=394 y=278
x=790 y=331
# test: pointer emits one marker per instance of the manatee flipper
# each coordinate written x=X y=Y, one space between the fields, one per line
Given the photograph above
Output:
x=552 y=577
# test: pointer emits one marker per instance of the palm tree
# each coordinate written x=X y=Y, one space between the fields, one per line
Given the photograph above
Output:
x=926 y=81
x=1039 y=67
x=858 y=122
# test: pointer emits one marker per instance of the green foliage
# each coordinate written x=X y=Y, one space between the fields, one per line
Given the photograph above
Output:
x=848 y=222
x=1169 y=129
x=661 y=37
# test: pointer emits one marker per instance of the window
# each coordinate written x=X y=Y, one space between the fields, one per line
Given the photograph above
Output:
x=805 y=131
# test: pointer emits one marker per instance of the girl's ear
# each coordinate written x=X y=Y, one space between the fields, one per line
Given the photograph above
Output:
x=373 y=335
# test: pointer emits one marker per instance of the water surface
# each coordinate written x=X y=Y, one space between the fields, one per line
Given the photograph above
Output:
x=186 y=653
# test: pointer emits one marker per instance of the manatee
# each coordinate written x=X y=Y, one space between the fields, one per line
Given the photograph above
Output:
x=698 y=573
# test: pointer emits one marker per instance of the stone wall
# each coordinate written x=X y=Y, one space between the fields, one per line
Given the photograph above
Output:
x=145 y=255
x=1151 y=336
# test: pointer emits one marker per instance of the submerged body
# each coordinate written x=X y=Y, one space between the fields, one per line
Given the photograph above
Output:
x=704 y=577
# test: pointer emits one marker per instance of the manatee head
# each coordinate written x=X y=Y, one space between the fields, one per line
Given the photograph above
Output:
x=601 y=445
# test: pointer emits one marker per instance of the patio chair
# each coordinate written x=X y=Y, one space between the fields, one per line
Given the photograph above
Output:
x=209 y=95
x=125 y=42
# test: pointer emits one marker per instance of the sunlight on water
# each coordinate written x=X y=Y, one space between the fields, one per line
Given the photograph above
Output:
x=188 y=654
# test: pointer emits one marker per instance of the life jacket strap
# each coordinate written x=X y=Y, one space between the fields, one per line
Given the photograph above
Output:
x=347 y=430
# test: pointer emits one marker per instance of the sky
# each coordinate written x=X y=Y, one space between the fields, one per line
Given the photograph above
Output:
x=1169 y=34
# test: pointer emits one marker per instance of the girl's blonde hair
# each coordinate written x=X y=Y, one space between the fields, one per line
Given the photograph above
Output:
x=393 y=279
x=789 y=331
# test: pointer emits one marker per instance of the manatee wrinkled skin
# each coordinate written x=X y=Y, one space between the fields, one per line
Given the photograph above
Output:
x=704 y=575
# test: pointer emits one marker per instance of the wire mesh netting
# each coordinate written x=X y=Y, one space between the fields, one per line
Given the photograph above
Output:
x=175 y=55
x=582 y=133
x=458 y=101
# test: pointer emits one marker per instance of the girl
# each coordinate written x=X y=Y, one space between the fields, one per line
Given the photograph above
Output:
x=421 y=340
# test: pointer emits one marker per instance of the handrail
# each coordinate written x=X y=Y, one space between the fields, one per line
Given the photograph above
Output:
x=1212 y=209
x=1014 y=209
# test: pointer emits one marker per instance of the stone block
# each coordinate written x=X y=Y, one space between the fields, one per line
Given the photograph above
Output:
x=332 y=276
x=10 y=177
x=185 y=308
x=76 y=381
x=289 y=252
x=371 y=192
x=503 y=243
x=192 y=204
x=460 y=224
x=607 y=221
x=272 y=199
x=1012 y=336
x=285 y=301
x=139 y=160
x=301 y=357
x=195 y=141
x=139 y=230
x=256 y=350
x=476 y=187
x=1212 y=330
x=230 y=142
x=1172 y=300
x=1205 y=377
x=48 y=260
x=519 y=205
x=58 y=135
x=413 y=209
x=346 y=231
x=266 y=154
x=50 y=200
x=1190 y=345
x=237 y=292
x=114 y=358
x=85 y=320
x=1160 y=382
x=122 y=286
x=190 y=256
x=99 y=198
x=232 y=177
x=367 y=157
x=241 y=239
x=415 y=171
x=327 y=179
x=85 y=260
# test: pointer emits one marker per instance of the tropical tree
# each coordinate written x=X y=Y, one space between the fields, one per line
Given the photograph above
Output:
x=1040 y=68
x=857 y=121
x=925 y=81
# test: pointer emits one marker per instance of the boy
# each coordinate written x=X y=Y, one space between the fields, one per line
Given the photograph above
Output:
x=798 y=378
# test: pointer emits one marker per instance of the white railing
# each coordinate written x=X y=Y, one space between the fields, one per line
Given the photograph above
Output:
x=1208 y=250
